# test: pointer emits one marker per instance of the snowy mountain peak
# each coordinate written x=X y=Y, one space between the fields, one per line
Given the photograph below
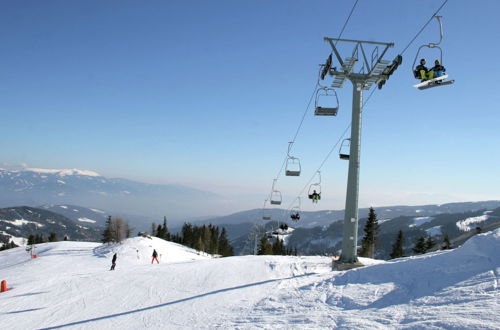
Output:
x=63 y=172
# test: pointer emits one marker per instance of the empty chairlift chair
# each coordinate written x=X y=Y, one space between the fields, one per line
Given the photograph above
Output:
x=327 y=102
x=275 y=197
x=344 y=149
x=292 y=167
x=266 y=213
x=292 y=163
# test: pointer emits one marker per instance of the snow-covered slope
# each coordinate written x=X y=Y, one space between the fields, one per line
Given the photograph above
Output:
x=69 y=285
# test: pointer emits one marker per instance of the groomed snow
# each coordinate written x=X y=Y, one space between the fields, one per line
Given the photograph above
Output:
x=69 y=285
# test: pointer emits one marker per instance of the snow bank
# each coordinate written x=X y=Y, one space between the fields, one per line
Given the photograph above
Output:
x=140 y=249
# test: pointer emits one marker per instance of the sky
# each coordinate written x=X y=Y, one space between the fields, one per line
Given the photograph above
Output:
x=208 y=94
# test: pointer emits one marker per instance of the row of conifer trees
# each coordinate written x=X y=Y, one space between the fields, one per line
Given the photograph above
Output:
x=422 y=244
x=207 y=238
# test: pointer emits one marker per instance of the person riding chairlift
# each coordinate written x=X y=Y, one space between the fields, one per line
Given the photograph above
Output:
x=315 y=196
x=295 y=216
x=438 y=69
x=422 y=72
x=425 y=74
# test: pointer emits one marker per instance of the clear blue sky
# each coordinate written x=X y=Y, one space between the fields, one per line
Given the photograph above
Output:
x=208 y=93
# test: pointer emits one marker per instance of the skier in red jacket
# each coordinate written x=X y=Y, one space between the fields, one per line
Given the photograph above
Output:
x=155 y=256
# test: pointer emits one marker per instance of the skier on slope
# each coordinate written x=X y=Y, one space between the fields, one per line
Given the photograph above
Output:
x=155 y=256
x=113 y=262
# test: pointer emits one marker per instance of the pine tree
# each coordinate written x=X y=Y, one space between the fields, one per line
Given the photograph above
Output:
x=166 y=233
x=106 y=235
x=397 y=247
x=446 y=243
x=159 y=231
x=264 y=246
x=53 y=237
x=420 y=246
x=279 y=247
x=115 y=230
x=370 y=239
x=31 y=239
x=8 y=245
x=65 y=238
x=225 y=249
x=429 y=243
x=39 y=239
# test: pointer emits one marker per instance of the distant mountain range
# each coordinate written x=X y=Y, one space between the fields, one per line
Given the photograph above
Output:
x=34 y=187
x=321 y=232
x=20 y=222
x=310 y=219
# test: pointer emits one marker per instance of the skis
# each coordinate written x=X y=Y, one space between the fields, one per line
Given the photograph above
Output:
x=434 y=82
x=437 y=84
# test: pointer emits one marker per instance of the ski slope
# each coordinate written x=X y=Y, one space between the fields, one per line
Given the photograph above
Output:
x=70 y=286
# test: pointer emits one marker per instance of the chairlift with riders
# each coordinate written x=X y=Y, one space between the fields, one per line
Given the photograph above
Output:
x=429 y=80
x=295 y=211
x=314 y=192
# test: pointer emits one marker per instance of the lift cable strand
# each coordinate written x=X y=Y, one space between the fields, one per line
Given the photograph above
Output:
x=423 y=27
x=346 y=21
x=329 y=153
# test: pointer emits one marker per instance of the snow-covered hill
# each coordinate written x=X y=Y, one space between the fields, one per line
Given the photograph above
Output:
x=18 y=223
x=69 y=285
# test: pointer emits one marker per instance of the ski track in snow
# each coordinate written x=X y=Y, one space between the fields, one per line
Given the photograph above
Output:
x=69 y=286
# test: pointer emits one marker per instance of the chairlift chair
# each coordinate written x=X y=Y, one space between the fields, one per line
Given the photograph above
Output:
x=295 y=214
x=344 y=149
x=266 y=215
x=292 y=167
x=275 y=196
x=292 y=163
x=295 y=211
x=326 y=102
x=315 y=187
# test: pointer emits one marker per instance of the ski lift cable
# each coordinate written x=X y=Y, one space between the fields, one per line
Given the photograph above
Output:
x=423 y=27
x=316 y=87
x=313 y=94
x=330 y=152
x=298 y=129
x=346 y=21
x=368 y=98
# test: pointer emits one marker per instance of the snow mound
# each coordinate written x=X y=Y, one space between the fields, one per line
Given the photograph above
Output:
x=141 y=248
